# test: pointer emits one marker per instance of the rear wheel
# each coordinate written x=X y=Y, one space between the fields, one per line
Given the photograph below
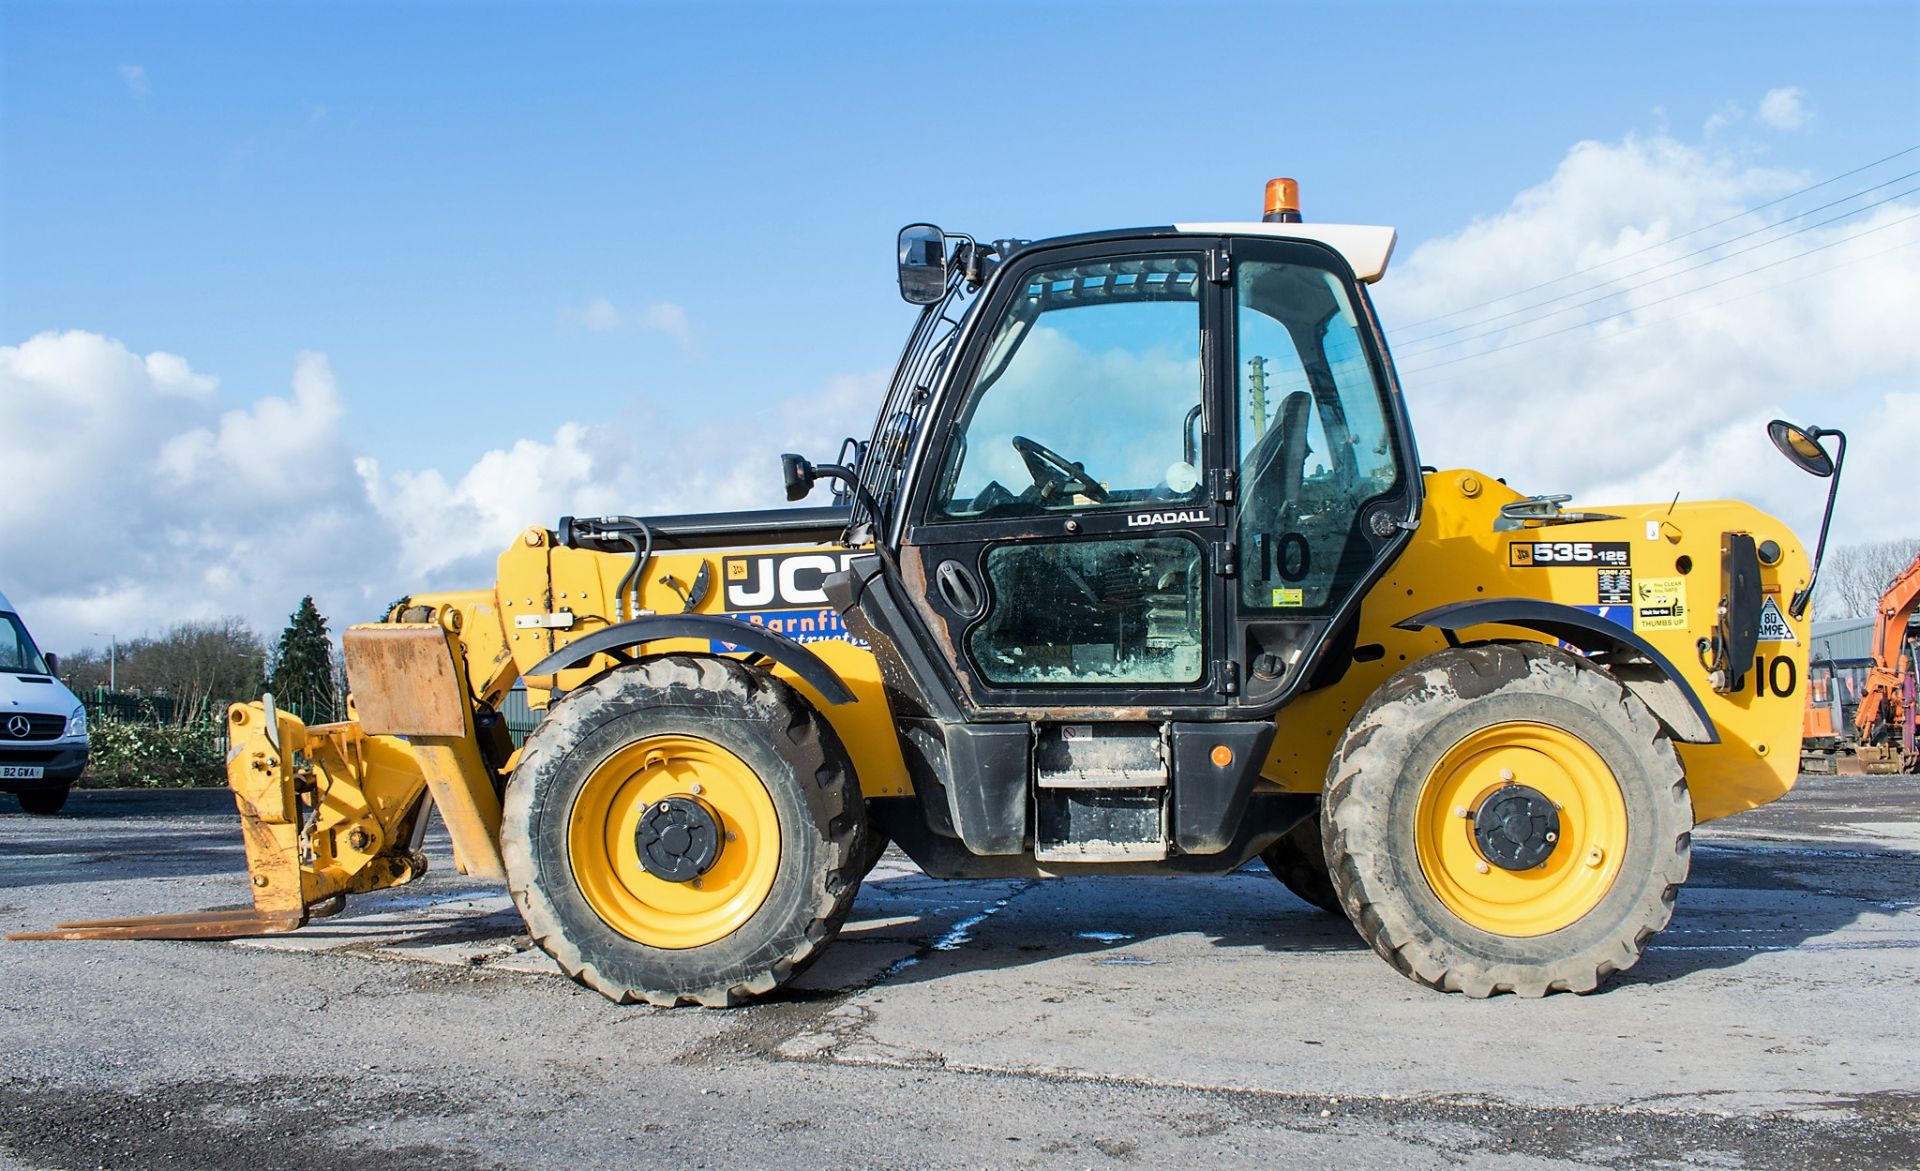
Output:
x=1507 y=818
x=1299 y=861
x=44 y=802
x=683 y=829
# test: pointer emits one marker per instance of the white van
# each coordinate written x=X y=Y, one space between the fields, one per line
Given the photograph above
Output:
x=43 y=728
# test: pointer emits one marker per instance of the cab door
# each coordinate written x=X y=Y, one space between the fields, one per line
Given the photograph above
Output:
x=1328 y=480
x=1070 y=526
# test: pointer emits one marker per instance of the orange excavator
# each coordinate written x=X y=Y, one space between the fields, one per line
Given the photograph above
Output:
x=1886 y=716
x=1884 y=735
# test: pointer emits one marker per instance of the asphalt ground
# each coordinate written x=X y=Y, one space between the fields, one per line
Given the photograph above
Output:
x=1119 y=1022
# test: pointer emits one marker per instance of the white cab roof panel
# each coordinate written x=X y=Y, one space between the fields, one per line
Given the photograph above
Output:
x=1365 y=247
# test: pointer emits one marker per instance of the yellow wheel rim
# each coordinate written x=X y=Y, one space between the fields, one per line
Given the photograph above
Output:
x=1585 y=860
x=606 y=861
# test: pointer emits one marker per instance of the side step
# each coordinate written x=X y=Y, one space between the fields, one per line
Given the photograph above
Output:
x=1100 y=793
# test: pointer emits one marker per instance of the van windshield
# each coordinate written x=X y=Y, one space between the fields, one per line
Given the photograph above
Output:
x=17 y=652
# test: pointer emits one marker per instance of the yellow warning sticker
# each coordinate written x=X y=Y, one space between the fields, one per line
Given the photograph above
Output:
x=1660 y=603
x=1289 y=597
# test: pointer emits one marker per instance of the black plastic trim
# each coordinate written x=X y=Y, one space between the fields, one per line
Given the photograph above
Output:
x=658 y=627
x=767 y=526
x=1589 y=632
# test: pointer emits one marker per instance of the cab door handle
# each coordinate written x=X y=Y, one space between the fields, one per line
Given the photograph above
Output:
x=959 y=589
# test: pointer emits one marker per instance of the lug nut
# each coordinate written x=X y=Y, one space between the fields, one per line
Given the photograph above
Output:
x=1481 y=867
x=1506 y=774
x=695 y=789
x=1462 y=811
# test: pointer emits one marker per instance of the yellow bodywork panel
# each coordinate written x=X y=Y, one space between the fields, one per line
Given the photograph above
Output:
x=1667 y=590
x=564 y=594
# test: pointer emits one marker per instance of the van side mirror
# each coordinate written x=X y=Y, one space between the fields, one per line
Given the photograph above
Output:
x=53 y=662
x=923 y=264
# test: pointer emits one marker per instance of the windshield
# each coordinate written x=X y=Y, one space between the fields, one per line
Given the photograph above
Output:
x=17 y=652
x=901 y=415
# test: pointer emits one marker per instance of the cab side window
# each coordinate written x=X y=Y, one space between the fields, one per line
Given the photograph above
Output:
x=1314 y=442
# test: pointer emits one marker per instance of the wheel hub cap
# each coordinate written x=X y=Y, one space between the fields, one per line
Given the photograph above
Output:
x=678 y=839
x=1516 y=828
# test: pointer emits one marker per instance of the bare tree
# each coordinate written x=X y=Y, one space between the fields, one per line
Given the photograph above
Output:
x=199 y=666
x=1855 y=576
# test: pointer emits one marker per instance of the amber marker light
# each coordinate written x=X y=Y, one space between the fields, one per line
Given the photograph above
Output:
x=1222 y=756
x=1283 y=202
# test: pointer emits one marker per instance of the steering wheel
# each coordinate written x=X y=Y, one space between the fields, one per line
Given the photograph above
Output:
x=1054 y=473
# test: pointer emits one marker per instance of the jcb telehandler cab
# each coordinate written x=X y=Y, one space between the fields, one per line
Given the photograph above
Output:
x=1138 y=572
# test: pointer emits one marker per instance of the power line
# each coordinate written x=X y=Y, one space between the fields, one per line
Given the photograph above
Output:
x=1670 y=276
x=1663 y=300
x=1686 y=256
x=1663 y=243
x=1640 y=325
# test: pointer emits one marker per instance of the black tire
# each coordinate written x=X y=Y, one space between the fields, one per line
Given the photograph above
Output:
x=1299 y=861
x=1372 y=797
x=44 y=802
x=794 y=754
x=873 y=847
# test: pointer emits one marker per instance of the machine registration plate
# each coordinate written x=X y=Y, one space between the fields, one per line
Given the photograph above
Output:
x=21 y=772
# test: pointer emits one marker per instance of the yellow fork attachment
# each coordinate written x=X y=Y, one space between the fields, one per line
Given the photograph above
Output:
x=337 y=809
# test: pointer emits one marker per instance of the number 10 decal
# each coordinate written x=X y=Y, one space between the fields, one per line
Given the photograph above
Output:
x=1777 y=675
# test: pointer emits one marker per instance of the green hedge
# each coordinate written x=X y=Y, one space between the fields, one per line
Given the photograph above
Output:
x=142 y=753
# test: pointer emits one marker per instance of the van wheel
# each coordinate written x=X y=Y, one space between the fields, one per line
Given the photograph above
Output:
x=44 y=802
x=684 y=829
x=1507 y=817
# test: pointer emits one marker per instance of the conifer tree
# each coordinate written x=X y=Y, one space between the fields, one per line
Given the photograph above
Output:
x=303 y=665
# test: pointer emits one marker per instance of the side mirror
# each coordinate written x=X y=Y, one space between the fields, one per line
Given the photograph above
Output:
x=923 y=264
x=1803 y=447
x=53 y=663
x=798 y=474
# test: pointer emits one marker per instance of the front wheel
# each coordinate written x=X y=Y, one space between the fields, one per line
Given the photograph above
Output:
x=683 y=829
x=1507 y=817
x=44 y=802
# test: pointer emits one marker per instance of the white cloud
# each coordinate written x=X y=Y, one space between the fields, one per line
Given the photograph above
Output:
x=1784 y=109
x=135 y=79
x=135 y=501
x=600 y=315
x=603 y=316
x=1643 y=396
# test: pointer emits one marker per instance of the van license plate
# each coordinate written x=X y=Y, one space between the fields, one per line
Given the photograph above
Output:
x=21 y=772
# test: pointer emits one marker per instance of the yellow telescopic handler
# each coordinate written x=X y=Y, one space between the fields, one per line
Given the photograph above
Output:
x=1138 y=572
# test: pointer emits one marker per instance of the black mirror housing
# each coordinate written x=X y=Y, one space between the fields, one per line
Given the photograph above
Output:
x=53 y=663
x=798 y=474
x=1801 y=446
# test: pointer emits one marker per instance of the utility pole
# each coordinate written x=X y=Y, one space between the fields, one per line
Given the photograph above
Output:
x=113 y=649
x=1257 y=393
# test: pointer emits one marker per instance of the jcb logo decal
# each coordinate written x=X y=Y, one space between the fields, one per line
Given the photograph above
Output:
x=1546 y=554
x=781 y=581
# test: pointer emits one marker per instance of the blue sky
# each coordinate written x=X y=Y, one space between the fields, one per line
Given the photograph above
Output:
x=419 y=191
x=493 y=220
